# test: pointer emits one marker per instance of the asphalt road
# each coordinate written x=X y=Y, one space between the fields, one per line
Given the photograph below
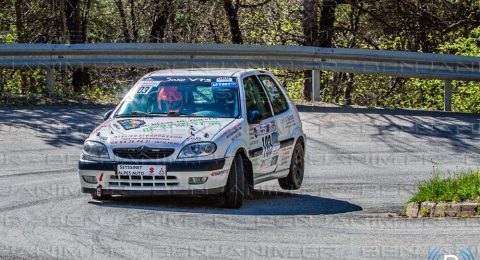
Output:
x=362 y=165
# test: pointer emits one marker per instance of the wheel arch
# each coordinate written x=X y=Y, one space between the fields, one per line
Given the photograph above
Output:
x=300 y=136
x=247 y=165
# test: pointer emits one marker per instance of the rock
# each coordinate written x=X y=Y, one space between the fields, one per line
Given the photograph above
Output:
x=440 y=209
x=453 y=210
x=411 y=210
x=426 y=209
x=469 y=209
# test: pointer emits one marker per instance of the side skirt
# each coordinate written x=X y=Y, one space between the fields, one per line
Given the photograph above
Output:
x=271 y=176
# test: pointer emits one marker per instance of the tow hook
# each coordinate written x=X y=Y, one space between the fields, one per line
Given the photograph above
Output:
x=99 y=191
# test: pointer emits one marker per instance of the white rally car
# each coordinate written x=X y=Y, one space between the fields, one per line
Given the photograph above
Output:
x=196 y=132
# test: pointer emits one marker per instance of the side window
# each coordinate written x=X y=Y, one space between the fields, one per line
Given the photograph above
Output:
x=279 y=102
x=256 y=97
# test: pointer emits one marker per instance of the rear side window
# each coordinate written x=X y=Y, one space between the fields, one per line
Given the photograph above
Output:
x=256 y=97
x=279 y=102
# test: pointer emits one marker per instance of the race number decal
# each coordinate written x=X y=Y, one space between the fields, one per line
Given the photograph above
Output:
x=270 y=144
x=145 y=86
x=143 y=90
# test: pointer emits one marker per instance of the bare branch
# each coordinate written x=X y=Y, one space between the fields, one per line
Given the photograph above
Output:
x=255 y=5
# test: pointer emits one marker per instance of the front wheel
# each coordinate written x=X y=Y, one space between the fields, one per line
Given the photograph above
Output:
x=235 y=188
x=294 y=179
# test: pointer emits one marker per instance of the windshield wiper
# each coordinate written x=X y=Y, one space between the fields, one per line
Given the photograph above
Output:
x=147 y=114
x=139 y=114
x=173 y=113
x=177 y=114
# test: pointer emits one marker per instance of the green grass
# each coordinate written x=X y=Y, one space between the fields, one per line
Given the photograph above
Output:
x=459 y=187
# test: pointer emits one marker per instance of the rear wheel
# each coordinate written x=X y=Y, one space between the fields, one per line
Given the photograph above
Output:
x=235 y=188
x=295 y=177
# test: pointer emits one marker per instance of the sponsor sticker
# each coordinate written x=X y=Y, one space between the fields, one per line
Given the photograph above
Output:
x=200 y=79
x=224 y=84
x=224 y=79
x=129 y=124
x=288 y=120
x=141 y=170
x=266 y=128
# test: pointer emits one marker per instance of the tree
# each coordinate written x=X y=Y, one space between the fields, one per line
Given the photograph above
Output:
x=232 y=15
x=77 y=27
x=163 y=11
x=317 y=31
x=20 y=24
x=123 y=18
x=231 y=10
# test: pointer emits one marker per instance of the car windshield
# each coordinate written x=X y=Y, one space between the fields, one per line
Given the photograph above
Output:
x=182 y=96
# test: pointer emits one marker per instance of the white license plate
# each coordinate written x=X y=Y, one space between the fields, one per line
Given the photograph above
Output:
x=141 y=170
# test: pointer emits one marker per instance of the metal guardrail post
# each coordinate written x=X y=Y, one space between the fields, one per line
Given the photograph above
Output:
x=315 y=85
x=50 y=82
x=447 y=96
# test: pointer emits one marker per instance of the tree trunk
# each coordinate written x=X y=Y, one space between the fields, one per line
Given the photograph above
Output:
x=21 y=38
x=123 y=18
x=310 y=33
x=74 y=20
x=232 y=14
x=133 y=17
x=310 y=22
x=349 y=89
x=80 y=76
x=64 y=39
x=326 y=31
x=337 y=83
x=32 y=84
x=327 y=22
x=163 y=10
x=2 y=83
x=19 y=22
x=63 y=22
x=86 y=13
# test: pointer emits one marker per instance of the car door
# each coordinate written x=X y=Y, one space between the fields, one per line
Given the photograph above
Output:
x=284 y=118
x=263 y=134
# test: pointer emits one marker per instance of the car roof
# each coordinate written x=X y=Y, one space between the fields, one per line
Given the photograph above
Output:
x=227 y=72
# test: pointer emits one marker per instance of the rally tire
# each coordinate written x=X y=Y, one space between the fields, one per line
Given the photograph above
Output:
x=294 y=179
x=234 y=189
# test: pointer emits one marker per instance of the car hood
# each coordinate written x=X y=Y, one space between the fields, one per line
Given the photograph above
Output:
x=157 y=131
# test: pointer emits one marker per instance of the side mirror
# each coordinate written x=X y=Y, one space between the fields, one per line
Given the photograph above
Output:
x=254 y=117
x=107 y=115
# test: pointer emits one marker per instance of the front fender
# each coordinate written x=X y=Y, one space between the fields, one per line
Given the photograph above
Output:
x=235 y=146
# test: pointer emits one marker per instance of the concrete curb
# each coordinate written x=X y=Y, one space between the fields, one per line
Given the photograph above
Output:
x=430 y=209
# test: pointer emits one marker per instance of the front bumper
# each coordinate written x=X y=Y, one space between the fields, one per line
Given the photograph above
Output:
x=194 y=192
x=176 y=182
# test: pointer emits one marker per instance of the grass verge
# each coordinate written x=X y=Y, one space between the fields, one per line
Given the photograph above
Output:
x=458 y=187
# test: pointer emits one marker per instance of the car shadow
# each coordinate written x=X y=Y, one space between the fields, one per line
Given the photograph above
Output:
x=263 y=202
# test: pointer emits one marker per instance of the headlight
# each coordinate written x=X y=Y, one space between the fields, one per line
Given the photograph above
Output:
x=197 y=149
x=95 y=150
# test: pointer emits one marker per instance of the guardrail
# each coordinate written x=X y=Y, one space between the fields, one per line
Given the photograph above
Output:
x=358 y=61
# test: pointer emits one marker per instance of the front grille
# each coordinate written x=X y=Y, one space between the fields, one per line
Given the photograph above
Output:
x=142 y=181
x=143 y=152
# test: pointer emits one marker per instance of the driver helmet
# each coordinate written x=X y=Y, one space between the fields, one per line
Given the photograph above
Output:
x=170 y=99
